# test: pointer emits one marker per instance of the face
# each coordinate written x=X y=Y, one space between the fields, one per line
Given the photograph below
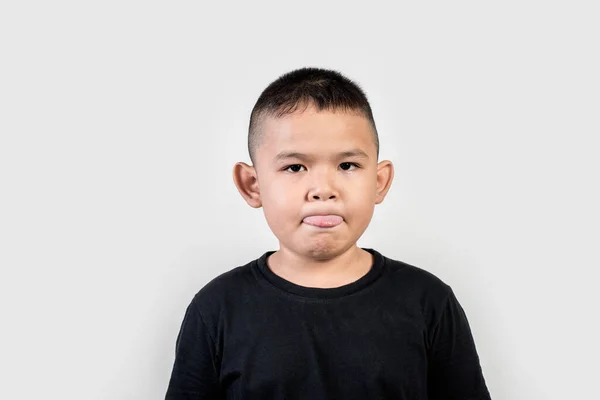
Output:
x=318 y=180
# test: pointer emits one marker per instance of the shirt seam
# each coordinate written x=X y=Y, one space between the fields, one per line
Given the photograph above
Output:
x=263 y=280
x=212 y=340
x=444 y=308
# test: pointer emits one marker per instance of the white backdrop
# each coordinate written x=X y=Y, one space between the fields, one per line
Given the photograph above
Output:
x=120 y=123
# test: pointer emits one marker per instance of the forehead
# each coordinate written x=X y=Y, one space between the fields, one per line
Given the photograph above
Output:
x=317 y=133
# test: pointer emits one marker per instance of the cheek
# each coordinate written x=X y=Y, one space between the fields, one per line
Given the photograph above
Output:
x=362 y=203
x=363 y=189
x=279 y=195
x=362 y=200
x=280 y=201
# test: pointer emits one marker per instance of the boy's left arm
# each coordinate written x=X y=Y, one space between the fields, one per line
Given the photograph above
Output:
x=454 y=371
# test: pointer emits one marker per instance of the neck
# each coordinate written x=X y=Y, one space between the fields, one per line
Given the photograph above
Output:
x=334 y=271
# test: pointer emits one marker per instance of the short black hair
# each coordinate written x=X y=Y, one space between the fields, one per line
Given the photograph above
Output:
x=324 y=88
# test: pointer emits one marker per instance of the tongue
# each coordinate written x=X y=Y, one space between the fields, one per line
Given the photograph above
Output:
x=323 y=220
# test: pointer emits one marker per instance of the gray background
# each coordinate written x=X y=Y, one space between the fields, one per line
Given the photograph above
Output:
x=120 y=123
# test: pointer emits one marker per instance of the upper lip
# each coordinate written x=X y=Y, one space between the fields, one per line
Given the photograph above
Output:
x=322 y=214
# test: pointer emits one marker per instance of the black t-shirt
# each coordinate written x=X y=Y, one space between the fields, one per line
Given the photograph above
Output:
x=398 y=332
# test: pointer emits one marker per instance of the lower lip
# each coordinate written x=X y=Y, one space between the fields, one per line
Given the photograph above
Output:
x=323 y=222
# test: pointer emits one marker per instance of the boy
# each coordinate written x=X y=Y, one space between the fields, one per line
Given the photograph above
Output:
x=321 y=318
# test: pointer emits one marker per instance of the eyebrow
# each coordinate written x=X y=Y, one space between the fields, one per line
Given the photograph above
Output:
x=285 y=155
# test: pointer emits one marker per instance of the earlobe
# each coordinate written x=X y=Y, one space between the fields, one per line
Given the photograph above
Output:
x=385 y=176
x=246 y=181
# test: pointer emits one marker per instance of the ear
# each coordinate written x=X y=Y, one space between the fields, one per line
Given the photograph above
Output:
x=246 y=181
x=385 y=176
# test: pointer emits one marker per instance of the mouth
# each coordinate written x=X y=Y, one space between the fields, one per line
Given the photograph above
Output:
x=323 y=221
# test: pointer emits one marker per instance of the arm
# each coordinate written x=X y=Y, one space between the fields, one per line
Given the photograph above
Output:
x=195 y=373
x=454 y=369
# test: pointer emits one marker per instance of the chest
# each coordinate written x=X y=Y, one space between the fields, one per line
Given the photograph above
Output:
x=324 y=351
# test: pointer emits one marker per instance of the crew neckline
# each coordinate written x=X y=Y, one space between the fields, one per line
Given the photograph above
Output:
x=322 y=293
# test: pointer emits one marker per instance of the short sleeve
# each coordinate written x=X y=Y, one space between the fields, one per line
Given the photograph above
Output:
x=195 y=374
x=454 y=371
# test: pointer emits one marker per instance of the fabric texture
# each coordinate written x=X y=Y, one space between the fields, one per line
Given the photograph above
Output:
x=398 y=332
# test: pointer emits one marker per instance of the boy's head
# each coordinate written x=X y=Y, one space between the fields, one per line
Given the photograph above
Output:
x=314 y=148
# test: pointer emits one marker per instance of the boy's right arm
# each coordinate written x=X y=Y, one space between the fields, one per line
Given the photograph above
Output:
x=195 y=374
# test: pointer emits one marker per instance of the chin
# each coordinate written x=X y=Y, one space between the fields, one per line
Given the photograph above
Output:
x=323 y=250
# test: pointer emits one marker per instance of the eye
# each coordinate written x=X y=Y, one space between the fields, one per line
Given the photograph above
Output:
x=346 y=166
x=293 y=168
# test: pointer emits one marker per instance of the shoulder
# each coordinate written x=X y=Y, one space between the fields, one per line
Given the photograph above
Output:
x=225 y=289
x=418 y=278
x=417 y=292
x=415 y=289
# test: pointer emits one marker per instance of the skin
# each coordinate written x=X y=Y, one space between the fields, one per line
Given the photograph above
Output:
x=323 y=182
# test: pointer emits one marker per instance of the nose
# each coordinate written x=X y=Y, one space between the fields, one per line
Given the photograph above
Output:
x=322 y=188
